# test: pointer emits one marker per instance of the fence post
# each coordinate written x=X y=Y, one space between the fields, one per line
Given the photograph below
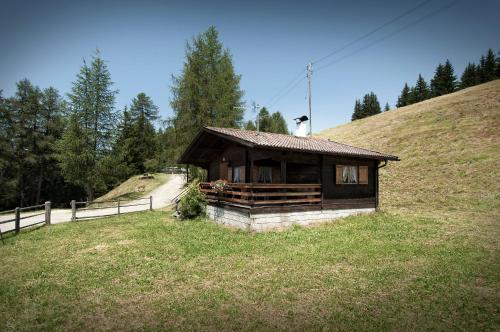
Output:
x=119 y=207
x=73 y=210
x=18 y=220
x=150 y=203
x=47 y=213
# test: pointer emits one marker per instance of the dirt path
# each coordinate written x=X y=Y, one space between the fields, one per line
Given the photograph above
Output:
x=162 y=197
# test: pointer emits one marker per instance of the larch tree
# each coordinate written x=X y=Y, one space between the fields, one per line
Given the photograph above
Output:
x=387 y=107
x=278 y=124
x=89 y=137
x=207 y=92
x=143 y=113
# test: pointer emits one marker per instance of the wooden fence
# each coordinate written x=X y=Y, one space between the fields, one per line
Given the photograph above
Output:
x=112 y=207
x=25 y=214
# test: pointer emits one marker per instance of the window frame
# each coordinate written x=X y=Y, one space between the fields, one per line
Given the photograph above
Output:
x=270 y=173
x=340 y=182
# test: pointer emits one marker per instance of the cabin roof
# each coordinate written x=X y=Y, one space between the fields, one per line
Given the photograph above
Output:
x=284 y=142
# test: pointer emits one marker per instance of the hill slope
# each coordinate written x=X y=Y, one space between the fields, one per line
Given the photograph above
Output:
x=449 y=148
x=135 y=187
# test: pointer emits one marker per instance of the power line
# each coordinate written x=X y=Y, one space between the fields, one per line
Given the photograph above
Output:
x=287 y=91
x=299 y=75
x=368 y=34
x=437 y=11
x=299 y=78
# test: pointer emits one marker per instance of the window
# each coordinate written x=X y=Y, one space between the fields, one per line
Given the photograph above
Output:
x=347 y=174
x=265 y=174
x=237 y=175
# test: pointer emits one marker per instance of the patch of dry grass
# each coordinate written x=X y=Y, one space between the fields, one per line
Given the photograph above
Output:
x=135 y=188
x=449 y=148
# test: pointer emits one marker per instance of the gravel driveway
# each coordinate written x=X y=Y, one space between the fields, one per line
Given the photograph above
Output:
x=162 y=197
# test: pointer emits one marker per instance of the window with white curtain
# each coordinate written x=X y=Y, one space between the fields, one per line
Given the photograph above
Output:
x=265 y=174
x=237 y=174
x=349 y=174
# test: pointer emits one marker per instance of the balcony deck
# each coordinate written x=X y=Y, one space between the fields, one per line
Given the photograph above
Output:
x=276 y=197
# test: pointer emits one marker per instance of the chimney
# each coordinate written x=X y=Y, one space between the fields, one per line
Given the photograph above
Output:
x=301 y=129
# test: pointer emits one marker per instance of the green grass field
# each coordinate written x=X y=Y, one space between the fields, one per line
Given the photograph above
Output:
x=149 y=271
x=429 y=260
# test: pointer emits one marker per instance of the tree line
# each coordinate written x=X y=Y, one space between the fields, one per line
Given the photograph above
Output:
x=268 y=122
x=78 y=146
x=443 y=82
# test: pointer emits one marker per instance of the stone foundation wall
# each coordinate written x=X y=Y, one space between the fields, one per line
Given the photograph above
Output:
x=271 y=221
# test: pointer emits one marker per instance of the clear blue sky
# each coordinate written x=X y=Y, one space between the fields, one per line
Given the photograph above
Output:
x=271 y=42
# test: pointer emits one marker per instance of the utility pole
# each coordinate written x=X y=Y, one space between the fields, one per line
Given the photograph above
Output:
x=257 y=120
x=309 y=69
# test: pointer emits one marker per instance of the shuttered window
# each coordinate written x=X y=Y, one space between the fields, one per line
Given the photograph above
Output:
x=349 y=174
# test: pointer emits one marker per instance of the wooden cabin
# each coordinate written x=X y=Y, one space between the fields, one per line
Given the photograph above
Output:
x=279 y=175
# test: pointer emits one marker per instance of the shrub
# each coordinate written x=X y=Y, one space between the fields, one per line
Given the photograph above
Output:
x=193 y=204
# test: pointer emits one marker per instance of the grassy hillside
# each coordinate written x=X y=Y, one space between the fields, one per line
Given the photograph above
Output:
x=450 y=153
x=134 y=188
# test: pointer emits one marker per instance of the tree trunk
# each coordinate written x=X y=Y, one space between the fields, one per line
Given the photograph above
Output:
x=90 y=193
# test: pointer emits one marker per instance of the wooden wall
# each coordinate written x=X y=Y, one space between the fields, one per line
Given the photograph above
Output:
x=300 y=168
x=333 y=190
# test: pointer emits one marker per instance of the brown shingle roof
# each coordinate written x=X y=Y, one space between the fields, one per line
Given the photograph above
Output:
x=295 y=143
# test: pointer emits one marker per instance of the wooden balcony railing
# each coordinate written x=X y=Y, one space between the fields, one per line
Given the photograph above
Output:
x=260 y=194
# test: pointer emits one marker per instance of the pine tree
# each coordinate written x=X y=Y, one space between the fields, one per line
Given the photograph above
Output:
x=387 y=107
x=207 y=92
x=404 y=97
x=8 y=170
x=420 y=92
x=370 y=105
x=488 y=67
x=356 y=114
x=437 y=82
x=498 y=65
x=444 y=80
x=26 y=112
x=52 y=126
x=92 y=104
x=470 y=76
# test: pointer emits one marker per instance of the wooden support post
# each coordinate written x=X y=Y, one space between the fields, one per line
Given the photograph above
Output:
x=283 y=171
x=150 y=203
x=73 y=210
x=47 y=212
x=18 y=220
x=118 y=207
